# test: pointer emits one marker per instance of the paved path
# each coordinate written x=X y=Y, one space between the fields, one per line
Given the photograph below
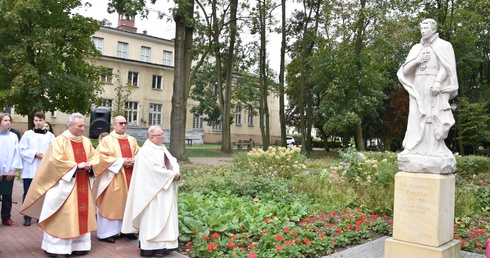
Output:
x=22 y=242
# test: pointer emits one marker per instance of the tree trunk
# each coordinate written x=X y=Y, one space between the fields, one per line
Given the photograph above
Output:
x=177 y=117
x=226 y=128
x=282 y=113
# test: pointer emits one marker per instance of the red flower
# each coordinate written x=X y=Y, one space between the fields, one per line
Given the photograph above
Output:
x=251 y=246
x=278 y=248
x=358 y=229
x=322 y=216
x=332 y=243
x=231 y=245
x=286 y=230
x=215 y=235
x=297 y=240
x=288 y=243
x=464 y=243
x=359 y=209
x=478 y=244
x=472 y=236
x=390 y=223
x=368 y=223
x=205 y=238
x=321 y=235
x=340 y=231
x=233 y=236
x=307 y=241
x=196 y=231
x=252 y=255
x=267 y=220
x=212 y=246
x=245 y=235
x=279 y=238
x=294 y=233
x=362 y=217
x=456 y=237
x=264 y=232
x=188 y=245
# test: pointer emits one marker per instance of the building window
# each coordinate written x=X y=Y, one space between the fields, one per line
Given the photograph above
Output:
x=122 y=49
x=131 y=109
x=106 y=77
x=145 y=54
x=250 y=118
x=157 y=82
x=99 y=43
x=167 y=58
x=105 y=103
x=133 y=78
x=218 y=126
x=155 y=117
x=197 y=121
x=53 y=113
x=238 y=115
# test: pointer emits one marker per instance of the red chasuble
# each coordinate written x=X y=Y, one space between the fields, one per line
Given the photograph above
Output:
x=126 y=153
x=82 y=187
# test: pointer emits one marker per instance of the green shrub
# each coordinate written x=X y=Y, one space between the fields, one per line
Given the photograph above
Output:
x=282 y=162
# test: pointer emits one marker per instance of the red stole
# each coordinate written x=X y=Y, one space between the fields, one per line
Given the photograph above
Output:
x=82 y=187
x=126 y=153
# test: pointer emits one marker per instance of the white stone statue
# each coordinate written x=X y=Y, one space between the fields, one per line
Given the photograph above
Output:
x=429 y=76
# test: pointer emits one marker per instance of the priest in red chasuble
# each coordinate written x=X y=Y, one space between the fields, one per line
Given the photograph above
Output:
x=117 y=151
x=60 y=195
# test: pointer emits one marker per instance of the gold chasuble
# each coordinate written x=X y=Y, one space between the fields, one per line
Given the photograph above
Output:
x=60 y=195
x=111 y=187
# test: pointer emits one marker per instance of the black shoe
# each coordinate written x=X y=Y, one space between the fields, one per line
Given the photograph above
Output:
x=27 y=222
x=146 y=253
x=79 y=253
x=153 y=253
x=108 y=240
x=160 y=252
x=56 y=255
x=130 y=236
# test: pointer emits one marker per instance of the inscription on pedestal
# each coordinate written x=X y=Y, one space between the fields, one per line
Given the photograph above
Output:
x=424 y=208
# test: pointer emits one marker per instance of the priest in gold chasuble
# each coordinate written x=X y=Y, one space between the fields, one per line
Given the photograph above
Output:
x=60 y=195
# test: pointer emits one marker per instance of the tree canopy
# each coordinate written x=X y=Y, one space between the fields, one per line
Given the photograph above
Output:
x=42 y=57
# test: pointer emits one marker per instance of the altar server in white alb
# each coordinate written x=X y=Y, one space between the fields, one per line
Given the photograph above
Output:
x=10 y=161
x=32 y=147
x=151 y=207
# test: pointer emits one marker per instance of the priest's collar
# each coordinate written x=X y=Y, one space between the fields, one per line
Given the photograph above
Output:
x=122 y=134
x=429 y=41
x=73 y=136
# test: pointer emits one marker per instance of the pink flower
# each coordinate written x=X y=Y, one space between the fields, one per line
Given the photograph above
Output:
x=252 y=255
x=278 y=248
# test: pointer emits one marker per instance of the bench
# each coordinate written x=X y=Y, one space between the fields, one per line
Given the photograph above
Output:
x=189 y=141
x=241 y=143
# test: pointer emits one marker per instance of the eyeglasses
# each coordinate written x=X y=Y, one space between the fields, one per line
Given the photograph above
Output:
x=123 y=123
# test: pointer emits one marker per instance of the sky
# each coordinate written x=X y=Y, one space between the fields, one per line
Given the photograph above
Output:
x=165 y=28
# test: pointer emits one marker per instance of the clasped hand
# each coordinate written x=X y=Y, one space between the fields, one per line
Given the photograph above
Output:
x=436 y=89
x=84 y=165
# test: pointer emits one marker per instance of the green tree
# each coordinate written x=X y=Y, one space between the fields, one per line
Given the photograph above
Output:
x=42 y=51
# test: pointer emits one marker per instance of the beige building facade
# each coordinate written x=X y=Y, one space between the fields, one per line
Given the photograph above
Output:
x=147 y=62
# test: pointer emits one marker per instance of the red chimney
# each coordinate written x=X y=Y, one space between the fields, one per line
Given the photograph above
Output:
x=126 y=23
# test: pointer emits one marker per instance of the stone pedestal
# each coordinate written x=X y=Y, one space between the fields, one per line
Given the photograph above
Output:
x=423 y=220
x=401 y=249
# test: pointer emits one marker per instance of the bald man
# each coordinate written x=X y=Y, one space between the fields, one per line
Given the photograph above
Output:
x=117 y=152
